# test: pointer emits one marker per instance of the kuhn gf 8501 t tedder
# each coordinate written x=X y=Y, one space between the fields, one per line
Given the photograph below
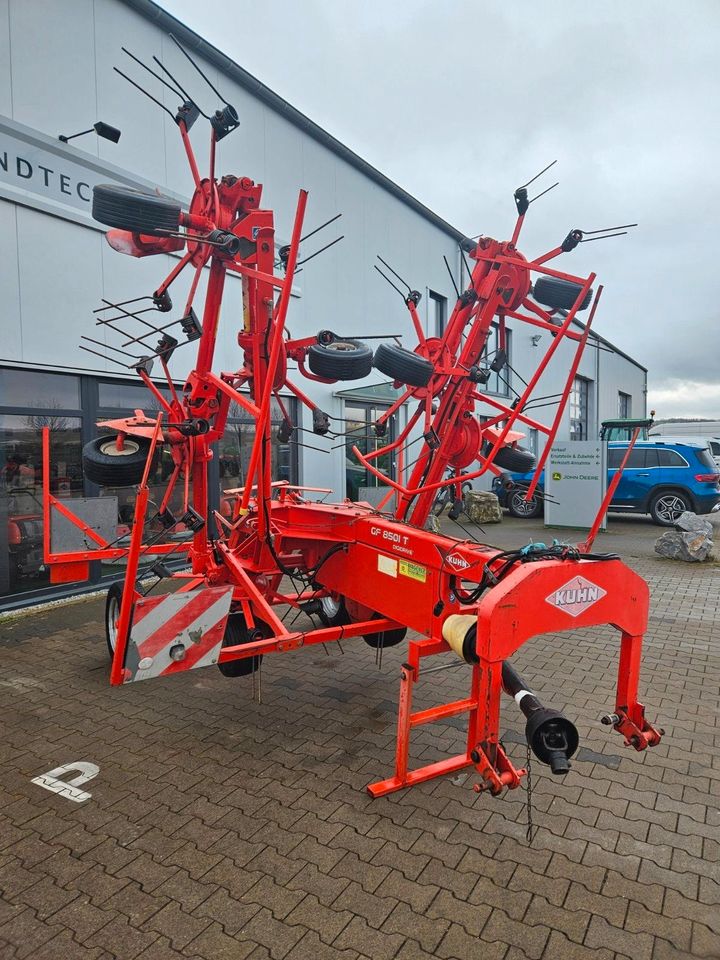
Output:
x=362 y=571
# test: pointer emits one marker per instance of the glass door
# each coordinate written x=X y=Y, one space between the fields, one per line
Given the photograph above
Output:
x=360 y=484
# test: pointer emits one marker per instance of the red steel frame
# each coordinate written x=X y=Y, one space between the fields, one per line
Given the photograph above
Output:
x=388 y=570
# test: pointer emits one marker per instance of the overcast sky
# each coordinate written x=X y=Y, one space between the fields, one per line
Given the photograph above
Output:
x=461 y=101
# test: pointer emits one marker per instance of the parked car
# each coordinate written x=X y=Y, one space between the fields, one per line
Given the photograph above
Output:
x=25 y=545
x=661 y=478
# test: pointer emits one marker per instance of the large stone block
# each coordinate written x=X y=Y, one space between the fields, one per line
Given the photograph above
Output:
x=693 y=546
x=433 y=524
x=692 y=523
x=483 y=507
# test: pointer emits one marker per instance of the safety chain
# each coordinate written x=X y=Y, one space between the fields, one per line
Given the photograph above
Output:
x=530 y=827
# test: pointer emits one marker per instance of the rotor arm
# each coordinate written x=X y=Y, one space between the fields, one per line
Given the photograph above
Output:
x=189 y=152
x=413 y=299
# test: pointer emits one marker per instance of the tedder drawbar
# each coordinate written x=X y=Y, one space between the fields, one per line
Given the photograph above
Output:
x=356 y=570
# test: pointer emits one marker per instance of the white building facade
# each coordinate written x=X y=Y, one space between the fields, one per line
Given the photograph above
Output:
x=56 y=77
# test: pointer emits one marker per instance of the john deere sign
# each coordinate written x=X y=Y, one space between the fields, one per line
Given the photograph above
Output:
x=575 y=482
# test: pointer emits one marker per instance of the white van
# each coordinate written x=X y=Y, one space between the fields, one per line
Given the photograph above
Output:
x=713 y=443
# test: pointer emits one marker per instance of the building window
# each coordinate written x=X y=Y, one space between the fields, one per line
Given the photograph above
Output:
x=579 y=405
x=29 y=401
x=117 y=399
x=438 y=313
x=624 y=405
x=119 y=395
x=31 y=388
x=499 y=382
x=227 y=469
x=70 y=406
x=360 y=484
x=234 y=448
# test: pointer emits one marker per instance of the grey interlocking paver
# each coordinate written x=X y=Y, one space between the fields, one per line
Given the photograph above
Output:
x=223 y=828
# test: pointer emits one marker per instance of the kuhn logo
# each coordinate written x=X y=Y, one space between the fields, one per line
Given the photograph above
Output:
x=457 y=562
x=576 y=596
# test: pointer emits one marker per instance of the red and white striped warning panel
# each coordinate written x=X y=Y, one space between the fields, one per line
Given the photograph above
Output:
x=176 y=632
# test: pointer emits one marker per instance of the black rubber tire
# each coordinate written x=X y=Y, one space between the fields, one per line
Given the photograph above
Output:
x=660 y=503
x=559 y=294
x=514 y=459
x=340 y=360
x=526 y=511
x=112 y=608
x=386 y=638
x=121 y=469
x=403 y=365
x=333 y=617
x=236 y=632
x=129 y=208
x=340 y=617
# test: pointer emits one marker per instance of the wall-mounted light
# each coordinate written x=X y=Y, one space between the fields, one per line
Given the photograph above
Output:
x=103 y=130
x=535 y=339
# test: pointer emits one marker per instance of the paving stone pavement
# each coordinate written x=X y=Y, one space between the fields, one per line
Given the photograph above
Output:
x=223 y=828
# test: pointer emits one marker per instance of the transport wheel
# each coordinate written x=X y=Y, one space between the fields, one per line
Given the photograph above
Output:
x=334 y=614
x=386 y=638
x=112 y=615
x=107 y=466
x=514 y=459
x=403 y=365
x=340 y=360
x=667 y=506
x=332 y=611
x=236 y=632
x=129 y=208
x=521 y=508
x=560 y=294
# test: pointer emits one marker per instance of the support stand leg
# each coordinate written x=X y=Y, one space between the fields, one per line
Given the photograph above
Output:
x=482 y=749
x=629 y=717
x=491 y=761
x=407 y=680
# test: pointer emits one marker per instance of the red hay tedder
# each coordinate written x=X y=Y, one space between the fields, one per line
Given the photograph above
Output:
x=374 y=572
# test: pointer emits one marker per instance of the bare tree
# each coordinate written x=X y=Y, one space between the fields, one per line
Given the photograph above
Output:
x=36 y=421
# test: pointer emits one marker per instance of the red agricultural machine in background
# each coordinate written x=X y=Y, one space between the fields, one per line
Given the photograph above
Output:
x=354 y=570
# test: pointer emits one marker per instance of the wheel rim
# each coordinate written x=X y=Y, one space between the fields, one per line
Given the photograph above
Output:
x=330 y=606
x=669 y=508
x=522 y=506
x=341 y=346
x=113 y=617
x=111 y=449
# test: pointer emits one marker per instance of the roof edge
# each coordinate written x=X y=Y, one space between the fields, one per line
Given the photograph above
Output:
x=609 y=343
x=166 y=21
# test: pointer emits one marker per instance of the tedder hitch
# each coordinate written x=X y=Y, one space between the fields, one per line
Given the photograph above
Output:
x=275 y=569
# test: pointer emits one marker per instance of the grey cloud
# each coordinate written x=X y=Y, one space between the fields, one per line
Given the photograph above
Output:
x=461 y=101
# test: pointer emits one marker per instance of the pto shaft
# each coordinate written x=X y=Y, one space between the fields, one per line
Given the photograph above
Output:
x=551 y=736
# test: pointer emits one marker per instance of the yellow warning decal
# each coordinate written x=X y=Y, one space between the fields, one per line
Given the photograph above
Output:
x=412 y=570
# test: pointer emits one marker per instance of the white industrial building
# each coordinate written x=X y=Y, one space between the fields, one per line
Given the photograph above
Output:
x=56 y=77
